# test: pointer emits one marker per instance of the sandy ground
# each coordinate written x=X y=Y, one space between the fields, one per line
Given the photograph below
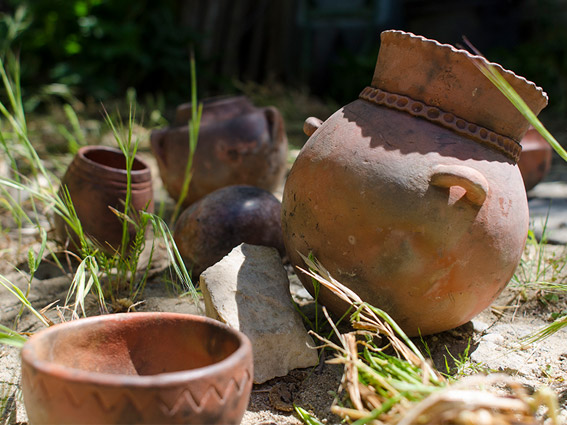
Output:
x=493 y=339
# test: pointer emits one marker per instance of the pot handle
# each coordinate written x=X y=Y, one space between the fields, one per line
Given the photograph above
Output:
x=311 y=125
x=275 y=122
x=468 y=178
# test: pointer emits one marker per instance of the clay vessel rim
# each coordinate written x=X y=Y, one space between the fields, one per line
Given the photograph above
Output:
x=215 y=101
x=140 y=381
x=224 y=98
x=145 y=168
x=183 y=127
x=211 y=124
x=472 y=57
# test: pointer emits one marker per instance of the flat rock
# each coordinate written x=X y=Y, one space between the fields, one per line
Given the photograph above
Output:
x=249 y=290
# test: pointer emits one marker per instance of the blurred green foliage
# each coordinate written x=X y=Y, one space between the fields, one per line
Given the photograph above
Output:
x=359 y=67
x=102 y=46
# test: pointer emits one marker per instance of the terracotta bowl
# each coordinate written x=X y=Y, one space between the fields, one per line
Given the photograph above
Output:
x=142 y=368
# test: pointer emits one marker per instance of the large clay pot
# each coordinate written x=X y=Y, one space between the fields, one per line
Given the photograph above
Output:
x=97 y=179
x=238 y=144
x=411 y=195
x=137 y=368
x=535 y=161
x=211 y=227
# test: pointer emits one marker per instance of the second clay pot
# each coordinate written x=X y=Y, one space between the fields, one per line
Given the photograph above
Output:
x=238 y=143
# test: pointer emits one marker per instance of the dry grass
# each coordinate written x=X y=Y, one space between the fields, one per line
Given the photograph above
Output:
x=386 y=379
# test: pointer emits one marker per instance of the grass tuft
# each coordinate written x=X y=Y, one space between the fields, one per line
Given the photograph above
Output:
x=194 y=124
x=31 y=193
x=387 y=380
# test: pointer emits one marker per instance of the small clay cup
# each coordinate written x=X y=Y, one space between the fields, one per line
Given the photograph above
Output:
x=211 y=227
x=137 y=368
x=535 y=159
x=96 y=180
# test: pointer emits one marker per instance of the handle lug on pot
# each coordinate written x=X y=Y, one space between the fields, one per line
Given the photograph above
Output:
x=275 y=123
x=474 y=183
x=310 y=125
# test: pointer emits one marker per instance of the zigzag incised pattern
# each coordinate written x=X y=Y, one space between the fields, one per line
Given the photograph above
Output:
x=169 y=408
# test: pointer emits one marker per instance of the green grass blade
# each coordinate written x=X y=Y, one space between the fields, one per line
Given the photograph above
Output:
x=388 y=319
x=546 y=332
x=12 y=97
x=194 y=125
x=33 y=259
x=73 y=119
x=14 y=290
x=85 y=278
x=161 y=229
x=95 y=272
x=10 y=337
x=306 y=417
x=15 y=207
x=8 y=152
x=490 y=72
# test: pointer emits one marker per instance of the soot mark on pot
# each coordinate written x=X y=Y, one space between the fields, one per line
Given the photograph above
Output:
x=379 y=141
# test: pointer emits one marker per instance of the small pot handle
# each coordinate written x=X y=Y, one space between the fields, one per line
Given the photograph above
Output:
x=275 y=122
x=311 y=125
x=468 y=178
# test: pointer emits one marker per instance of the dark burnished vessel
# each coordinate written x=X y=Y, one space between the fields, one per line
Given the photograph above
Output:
x=209 y=229
x=238 y=143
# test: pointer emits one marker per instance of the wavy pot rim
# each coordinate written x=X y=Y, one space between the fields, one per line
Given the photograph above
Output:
x=448 y=78
x=459 y=51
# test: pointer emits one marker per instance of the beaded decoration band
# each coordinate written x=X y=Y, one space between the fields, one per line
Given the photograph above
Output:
x=503 y=144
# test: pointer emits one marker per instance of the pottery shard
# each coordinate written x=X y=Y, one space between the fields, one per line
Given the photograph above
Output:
x=249 y=290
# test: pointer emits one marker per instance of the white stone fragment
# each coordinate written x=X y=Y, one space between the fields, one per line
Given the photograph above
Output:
x=249 y=290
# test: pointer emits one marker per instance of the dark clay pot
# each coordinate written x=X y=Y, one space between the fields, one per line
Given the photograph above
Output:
x=97 y=179
x=137 y=368
x=210 y=228
x=411 y=195
x=535 y=160
x=238 y=144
